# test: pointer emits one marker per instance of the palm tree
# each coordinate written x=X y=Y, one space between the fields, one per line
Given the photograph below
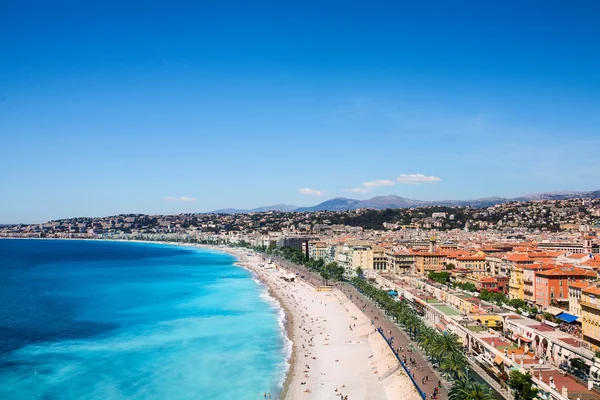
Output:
x=426 y=339
x=359 y=272
x=459 y=389
x=326 y=276
x=522 y=384
x=455 y=365
x=464 y=389
x=445 y=345
x=412 y=324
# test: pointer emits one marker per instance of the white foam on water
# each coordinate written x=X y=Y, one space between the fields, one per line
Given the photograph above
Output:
x=181 y=355
x=281 y=320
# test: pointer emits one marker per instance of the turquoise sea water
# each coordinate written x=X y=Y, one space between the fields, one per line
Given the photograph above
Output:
x=111 y=320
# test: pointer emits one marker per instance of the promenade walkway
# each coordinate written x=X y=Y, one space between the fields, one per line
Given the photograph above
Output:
x=390 y=329
x=379 y=320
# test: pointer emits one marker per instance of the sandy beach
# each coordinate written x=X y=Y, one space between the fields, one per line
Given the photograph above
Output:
x=336 y=351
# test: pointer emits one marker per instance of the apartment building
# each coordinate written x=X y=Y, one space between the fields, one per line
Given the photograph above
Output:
x=488 y=283
x=379 y=258
x=400 y=262
x=473 y=263
x=320 y=250
x=552 y=286
x=496 y=265
x=590 y=315
x=575 y=288
x=427 y=262
x=529 y=272
x=516 y=285
x=360 y=254
x=585 y=246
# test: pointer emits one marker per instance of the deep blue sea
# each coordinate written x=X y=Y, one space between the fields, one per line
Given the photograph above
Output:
x=114 y=320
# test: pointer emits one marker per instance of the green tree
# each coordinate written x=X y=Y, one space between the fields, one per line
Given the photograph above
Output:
x=468 y=286
x=532 y=310
x=426 y=339
x=442 y=347
x=412 y=324
x=464 y=389
x=517 y=303
x=440 y=277
x=577 y=363
x=326 y=276
x=338 y=271
x=335 y=271
x=522 y=384
x=455 y=365
x=445 y=345
x=359 y=272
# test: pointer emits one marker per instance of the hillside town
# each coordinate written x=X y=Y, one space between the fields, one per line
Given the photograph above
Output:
x=517 y=282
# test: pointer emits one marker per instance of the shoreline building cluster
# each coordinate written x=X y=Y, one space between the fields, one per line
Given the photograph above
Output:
x=518 y=282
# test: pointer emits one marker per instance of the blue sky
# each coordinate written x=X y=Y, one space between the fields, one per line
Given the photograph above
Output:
x=167 y=107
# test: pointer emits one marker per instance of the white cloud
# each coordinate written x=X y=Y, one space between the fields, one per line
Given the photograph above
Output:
x=181 y=199
x=370 y=185
x=378 y=182
x=417 y=179
x=311 y=192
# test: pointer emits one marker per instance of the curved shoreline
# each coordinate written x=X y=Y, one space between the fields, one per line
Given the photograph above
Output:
x=288 y=321
x=283 y=370
x=288 y=318
x=287 y=324
x=318 y=324
x=161 y=311
x=365 y=369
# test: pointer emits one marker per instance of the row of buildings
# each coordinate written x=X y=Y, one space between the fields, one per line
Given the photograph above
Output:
x=531 y=251
x=544 y=277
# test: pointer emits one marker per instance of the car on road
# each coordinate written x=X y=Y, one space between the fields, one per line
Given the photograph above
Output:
x=580 y=375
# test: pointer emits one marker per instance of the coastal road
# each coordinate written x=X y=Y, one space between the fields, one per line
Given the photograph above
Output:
x=376 y=315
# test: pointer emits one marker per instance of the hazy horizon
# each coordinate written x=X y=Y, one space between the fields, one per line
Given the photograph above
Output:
x=288 y=205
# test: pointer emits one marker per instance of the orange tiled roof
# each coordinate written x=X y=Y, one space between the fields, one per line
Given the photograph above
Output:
x=568 y=270
x=578 y=256
x=456 y=253
x=592 y=289
x=540 y=266
x=579 y=284
x=517 y=257
x=592 y=264
x=545 y=254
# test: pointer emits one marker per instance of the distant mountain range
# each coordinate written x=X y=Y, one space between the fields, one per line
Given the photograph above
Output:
x=384 y=202
x=277 y=207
